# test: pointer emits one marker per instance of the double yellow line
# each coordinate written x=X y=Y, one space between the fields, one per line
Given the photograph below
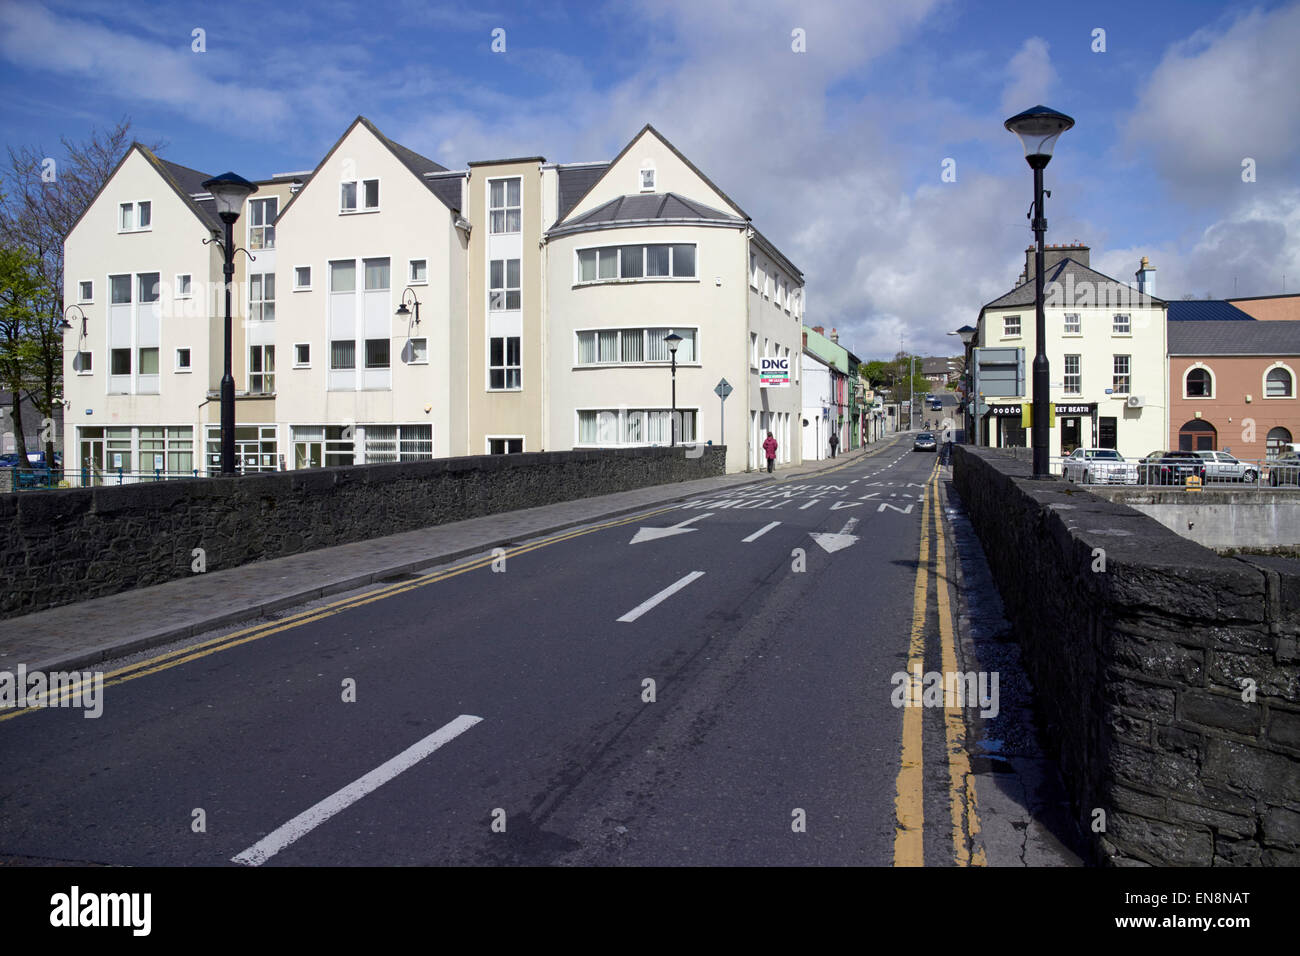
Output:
x=909 y=804
x=193 y=652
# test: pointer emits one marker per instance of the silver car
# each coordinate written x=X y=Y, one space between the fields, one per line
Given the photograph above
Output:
x=1221 y=466
x=1103 y=466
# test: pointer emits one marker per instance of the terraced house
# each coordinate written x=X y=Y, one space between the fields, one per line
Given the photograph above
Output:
x=390 y=308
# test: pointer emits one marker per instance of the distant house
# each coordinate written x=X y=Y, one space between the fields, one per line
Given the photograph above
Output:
x=1270 y=308
x=33 y=420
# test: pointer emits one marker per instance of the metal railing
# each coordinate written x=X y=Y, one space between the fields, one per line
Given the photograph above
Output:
x=1135 y=472
x=45 y=479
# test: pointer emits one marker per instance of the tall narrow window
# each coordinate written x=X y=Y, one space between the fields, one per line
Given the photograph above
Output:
x=261 y=297
x=503 y=285
x=1122 y=380
x=1073 y=374
x=504 y=367
x=504 y=207
x=261 y=219
x=377 y=275
x=261 y=370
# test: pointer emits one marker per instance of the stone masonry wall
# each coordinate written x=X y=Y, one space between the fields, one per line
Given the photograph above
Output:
x=70 y=545
x=1169 y=675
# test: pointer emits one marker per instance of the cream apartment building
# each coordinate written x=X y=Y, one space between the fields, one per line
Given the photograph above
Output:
x=1106 y=348
x=390 y=308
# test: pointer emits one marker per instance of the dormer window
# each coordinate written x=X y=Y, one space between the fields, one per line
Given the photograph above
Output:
x=648 y=178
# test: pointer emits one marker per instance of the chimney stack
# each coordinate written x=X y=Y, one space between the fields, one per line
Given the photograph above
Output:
x=835 y=337
x=1054 y=253
x=1146 y=277
x=819 y=329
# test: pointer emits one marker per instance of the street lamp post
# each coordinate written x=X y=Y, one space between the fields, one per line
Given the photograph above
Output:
x=1038 y=129
x=967 y=335
x=674 y=340
x=229 y=192
x=412 y=315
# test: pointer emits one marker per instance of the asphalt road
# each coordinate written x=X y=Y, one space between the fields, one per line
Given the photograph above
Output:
x=768 y=735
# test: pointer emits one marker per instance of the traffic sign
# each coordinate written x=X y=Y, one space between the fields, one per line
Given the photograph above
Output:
x=722 y=389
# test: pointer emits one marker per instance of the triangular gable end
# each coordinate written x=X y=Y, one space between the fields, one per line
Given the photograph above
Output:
x=408 y=159
x=161 y=170
x=673 y=173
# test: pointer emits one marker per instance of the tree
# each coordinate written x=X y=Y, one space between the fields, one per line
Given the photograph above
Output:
x=876 y=374
x=42 y=198
x=22 y=292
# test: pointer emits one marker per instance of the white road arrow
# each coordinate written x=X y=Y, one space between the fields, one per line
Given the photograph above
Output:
x=651 y=534
x=830 y=543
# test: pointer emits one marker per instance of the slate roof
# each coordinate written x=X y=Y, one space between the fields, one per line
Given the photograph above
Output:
x=575 y=183
x=1233 y=337
x=447 y=188
x=190 y=181
x=649 y=206
x=1206 y=310
x=1065 y=271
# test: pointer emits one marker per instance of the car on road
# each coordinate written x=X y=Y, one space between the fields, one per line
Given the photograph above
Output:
x=925 y=442
x=1100 y=466
x=1221 y=466
x=1285 y=470
x=1171 y=467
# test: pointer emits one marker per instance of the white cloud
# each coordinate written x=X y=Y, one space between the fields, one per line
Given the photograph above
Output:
x=1219 y=97
x=1030 y=77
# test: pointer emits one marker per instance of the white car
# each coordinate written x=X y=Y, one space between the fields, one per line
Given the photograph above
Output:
x=1221 y=466
x=1100 y=466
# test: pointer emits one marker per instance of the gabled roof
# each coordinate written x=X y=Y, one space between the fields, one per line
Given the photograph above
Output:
x=676 y=152
x=653 y=206
x=182 y=180
x=447 y=188
x=1206 y=310
x=575 y=182
x=1234 y=337
x=413 y=161
x=1071 y=273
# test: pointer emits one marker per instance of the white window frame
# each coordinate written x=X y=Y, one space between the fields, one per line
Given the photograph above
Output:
x=1263 y=383
x=249 y=373
x=302 y=288
x=359 y=195
x=91 y=357
x=296 y=347
x=646 y=167
x=1078 y=324
x=261 y=201
x=1124 y=328
x=617 y=250
x=135 y=217
x=505 y=367
x=1116 y=374
x=1214 y=385
x=522 y=439
x=417 y=360
x=506 y=208
x=85 y=300
x=506 y=288
x=624 y=413
x=644 y=331
x=189 y=277
x=248 y=278
x=410 y=272
x=177 y=367
x=1007 y=326
x=1066 y=373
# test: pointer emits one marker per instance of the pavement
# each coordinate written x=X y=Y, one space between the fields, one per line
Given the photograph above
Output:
x=89 y=632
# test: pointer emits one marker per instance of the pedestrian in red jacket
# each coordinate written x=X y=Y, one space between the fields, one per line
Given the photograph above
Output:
x=769 y=446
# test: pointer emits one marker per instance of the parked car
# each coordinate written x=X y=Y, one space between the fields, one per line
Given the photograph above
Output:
x=925 y=442
x=1103 y=466
x=1171 y=467
x=1285 y=469
x=12 y=460
x=1221 y=466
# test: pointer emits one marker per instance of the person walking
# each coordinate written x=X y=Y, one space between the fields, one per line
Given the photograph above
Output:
x=769 y=446
x=835 y=443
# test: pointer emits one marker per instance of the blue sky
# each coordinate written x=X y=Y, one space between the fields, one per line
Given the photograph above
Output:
x=836 y=152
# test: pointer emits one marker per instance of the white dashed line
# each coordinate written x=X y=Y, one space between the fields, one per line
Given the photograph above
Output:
x=760 y=532
x=659 y=598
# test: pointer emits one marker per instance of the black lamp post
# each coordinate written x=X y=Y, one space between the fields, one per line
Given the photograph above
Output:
x=1038 y=129
x=413 y=314
x=967 y=335
x=229 y=192
x=674 y=340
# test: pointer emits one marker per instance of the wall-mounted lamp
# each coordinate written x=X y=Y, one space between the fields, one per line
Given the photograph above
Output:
x=412 y=316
